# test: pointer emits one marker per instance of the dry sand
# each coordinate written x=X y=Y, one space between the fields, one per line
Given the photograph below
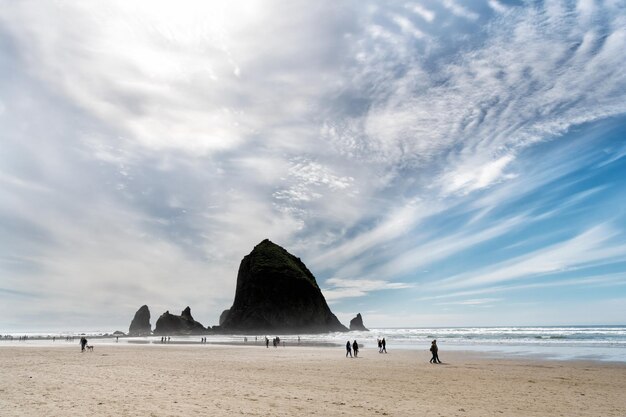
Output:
x=125 y=380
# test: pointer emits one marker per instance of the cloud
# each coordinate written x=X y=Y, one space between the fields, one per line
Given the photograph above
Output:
x=583 y=250
x=423 y=12
x=497 y=6
x=146 y=141
x=472 y=302
x=606 y=280
x=459 y=10
x=349 y=288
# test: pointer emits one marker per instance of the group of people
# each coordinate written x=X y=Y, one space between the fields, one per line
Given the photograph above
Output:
x=203 y=340
x=382 y=348
x=275 y=342
x=165 y=339
x=354 y=347
x=382 y=345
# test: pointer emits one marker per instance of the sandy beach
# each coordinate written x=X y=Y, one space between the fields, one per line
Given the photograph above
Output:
x=252 y=380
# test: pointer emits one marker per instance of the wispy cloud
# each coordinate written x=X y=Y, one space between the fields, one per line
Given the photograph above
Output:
x=143 y=142
x=348 y=288
x=586 y=249
x=459 y=10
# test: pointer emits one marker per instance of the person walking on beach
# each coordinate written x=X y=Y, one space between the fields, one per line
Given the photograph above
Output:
x=267 y=342
x=355 y=348
x=380 y=346
x=384 y=349
x=434 y=350
x=83 y=343
x=348 y=349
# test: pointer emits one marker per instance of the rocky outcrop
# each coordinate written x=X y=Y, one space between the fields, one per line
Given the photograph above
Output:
x=357 y=323
x=140 y=326
x=170 y=324
x=224 y=316
x=276 y=292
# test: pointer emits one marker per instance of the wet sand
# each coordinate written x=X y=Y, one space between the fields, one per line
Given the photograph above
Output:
x=174 y=380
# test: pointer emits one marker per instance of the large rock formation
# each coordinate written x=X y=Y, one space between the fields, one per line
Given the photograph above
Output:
x=357 y=323
x=277 y=293
x=140 y=326
x=224 y=316
x=170 y=324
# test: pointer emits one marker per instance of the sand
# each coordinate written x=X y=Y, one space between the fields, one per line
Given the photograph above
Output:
x=169 y=380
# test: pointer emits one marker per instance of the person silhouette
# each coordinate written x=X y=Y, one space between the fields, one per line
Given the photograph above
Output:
x=355 y=348
x=384 y=345
x=348 y=349
x=435 y=351
x=83 y=343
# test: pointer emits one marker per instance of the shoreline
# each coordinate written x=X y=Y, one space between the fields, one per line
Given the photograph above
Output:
x=226 y=380
x=497 y=353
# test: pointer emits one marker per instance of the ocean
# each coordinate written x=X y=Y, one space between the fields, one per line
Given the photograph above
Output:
x=600 y=343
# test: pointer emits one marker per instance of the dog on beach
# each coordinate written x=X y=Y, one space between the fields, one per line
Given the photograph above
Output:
x=89 y=348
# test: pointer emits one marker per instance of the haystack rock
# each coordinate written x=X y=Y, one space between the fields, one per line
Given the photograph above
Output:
x=140 y=326
x=277 y=293
x=170 y=324
x=224 y=316
x=357 y=323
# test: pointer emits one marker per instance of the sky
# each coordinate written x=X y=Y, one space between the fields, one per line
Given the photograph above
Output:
x=433 y=163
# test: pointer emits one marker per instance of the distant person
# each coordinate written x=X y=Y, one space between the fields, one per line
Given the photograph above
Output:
x=384 y=346
x=83 y=343
x=380 y=346
x=435 y=351
x=298 y=340
x=267 y=342
x=355 y=348
x=245 y=340
x=348 y=349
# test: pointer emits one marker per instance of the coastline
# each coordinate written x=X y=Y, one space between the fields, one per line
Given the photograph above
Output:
x=594 y=343
x=176 y=379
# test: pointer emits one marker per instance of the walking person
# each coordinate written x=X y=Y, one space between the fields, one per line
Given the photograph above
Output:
x=384 y=350
x=355 y=348
x=83 y=343
x=434 y=350
x=348 y=349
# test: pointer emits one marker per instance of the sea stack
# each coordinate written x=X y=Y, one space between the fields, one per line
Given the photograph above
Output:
x=276 y=292
x=357 y=324
x=140 y=326
x=170 y=324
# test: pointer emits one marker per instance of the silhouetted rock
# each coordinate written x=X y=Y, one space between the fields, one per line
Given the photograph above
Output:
x=170 y=324
x=224 y=316
x=140 y=326
x=357 y=323
x=276 y=292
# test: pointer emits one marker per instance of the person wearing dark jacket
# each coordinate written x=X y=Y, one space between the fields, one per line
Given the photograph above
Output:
x=355 y=349
x=434 y=350
x=348 y=349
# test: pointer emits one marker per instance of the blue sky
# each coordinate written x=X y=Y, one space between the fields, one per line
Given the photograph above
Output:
x=434 y=163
